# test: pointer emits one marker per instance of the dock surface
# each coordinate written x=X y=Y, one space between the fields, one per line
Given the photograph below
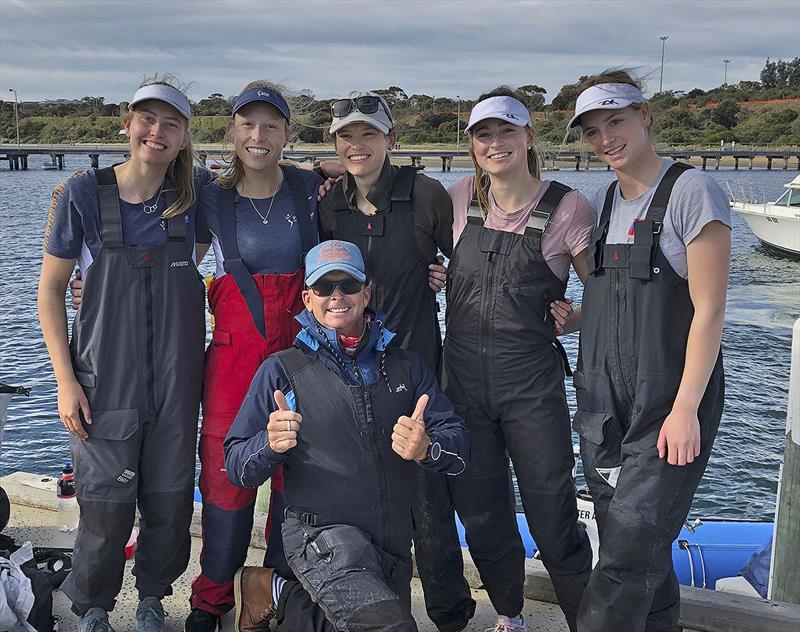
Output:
x=34 y=518
x=34 y=515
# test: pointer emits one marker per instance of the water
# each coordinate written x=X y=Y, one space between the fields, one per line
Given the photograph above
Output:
x=763 y=302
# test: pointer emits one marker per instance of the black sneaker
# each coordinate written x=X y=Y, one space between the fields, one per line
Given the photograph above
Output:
x=201 y=621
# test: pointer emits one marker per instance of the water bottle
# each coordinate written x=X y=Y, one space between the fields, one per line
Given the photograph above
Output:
x=68 y=512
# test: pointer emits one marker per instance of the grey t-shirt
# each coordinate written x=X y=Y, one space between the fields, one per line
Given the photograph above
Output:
x=696 y=200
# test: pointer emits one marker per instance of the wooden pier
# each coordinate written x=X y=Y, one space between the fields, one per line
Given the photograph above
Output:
x=17 y=159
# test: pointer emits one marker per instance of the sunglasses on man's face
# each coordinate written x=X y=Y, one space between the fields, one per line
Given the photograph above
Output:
x=347 y=286
x=365 y=105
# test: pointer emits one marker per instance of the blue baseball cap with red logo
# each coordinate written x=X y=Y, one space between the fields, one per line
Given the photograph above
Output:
x=334 y=256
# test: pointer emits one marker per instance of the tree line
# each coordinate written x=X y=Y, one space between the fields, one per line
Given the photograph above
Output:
x=697 y=117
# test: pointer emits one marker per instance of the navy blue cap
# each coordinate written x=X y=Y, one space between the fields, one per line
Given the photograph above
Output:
x=265 y=95
x=334 y=256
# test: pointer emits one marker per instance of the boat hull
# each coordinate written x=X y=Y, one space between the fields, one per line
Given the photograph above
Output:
x=780 y=232
x=716 y=548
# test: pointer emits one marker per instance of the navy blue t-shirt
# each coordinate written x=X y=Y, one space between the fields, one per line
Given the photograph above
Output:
x=272 y=248
x=73 y=227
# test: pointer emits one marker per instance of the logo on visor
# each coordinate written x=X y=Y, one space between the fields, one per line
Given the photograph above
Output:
x=511 y=116
x=609 y=102
x=261 y=93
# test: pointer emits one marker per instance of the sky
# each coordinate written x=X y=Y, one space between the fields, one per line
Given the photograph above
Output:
x=52 y=49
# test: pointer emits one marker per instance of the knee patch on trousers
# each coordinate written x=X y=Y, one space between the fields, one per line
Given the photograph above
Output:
x=342 y=570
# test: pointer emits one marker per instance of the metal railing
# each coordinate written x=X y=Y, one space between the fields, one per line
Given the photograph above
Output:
x=746 y=192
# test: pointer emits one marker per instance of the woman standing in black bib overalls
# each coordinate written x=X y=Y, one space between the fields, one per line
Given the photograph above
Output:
x=649 y=382
x=129 y=380
x=515 y=237
x=399 y=219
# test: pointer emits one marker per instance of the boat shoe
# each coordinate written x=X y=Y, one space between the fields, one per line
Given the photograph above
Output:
x=94 y=620
x=150 y=616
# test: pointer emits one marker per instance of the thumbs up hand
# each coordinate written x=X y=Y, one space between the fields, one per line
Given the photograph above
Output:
x=409 y=438
x=283 y=425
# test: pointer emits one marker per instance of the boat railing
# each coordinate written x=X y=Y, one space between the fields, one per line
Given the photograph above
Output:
x=746 y=192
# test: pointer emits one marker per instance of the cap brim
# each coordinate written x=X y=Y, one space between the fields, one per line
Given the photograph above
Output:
x=598 y=105
x=320 y=272
x=243 y=104
x=500 y=117
x=171 y=102
x=359 y=117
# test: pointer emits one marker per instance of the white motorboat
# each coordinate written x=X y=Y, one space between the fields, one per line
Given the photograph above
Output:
x=776 y=224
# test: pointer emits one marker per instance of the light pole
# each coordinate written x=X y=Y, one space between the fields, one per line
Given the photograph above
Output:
x=726 y=62
x=16 y=113
x=458 y=122
x=663 y=39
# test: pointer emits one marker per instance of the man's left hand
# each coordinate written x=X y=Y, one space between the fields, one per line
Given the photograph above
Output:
x=409 y=438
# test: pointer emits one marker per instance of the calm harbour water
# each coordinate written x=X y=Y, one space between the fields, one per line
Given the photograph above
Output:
x=763 y=302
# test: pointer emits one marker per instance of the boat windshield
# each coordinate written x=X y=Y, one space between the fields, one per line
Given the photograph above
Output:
x=790 y=198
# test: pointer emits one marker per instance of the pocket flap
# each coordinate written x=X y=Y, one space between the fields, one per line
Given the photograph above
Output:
x=116 y=425
x=591 y=426
x=221 y=337
x=85 y=378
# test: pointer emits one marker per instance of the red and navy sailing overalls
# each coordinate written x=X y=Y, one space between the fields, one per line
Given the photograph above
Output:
x=636 y=315
x=254 y=317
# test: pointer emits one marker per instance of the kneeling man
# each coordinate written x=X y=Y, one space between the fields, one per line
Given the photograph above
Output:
x=347 y=416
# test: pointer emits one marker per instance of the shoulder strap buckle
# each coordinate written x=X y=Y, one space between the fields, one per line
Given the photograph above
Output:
x=540 y=216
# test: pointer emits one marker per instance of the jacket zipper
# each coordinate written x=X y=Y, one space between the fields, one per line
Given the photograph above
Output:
x=149 y=342
x=487 y=299
x=619 y=381
x=376 y=296
x=383 y=490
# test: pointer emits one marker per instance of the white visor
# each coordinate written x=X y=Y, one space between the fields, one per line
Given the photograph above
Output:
x=167 y=94
x=605 y=96
x=503 y=108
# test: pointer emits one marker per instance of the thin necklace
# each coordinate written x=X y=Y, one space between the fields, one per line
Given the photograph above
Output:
x=264 y=218
x=147 y=208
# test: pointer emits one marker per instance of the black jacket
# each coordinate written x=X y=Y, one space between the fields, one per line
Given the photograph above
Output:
x=414 y=220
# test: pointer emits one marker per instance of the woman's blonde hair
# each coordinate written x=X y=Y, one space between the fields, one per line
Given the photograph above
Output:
x=234 y=171
x=481 y=177
x=181 y=169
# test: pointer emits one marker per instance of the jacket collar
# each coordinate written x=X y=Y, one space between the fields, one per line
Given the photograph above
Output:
x=313 y=335
x=380 y=195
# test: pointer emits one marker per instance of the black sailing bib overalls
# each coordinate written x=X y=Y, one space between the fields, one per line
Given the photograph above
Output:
x=504 y=372
x=137 y=351
x=636 y=314
x=395 y=266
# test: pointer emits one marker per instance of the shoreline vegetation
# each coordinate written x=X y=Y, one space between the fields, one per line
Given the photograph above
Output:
x=763 y=113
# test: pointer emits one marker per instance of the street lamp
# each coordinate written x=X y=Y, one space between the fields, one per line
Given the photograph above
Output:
x=726 y=62
x=16 y=113
x=458 y=122
x=663 y=39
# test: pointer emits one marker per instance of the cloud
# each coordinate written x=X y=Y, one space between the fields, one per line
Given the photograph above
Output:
x=82 y=48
